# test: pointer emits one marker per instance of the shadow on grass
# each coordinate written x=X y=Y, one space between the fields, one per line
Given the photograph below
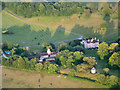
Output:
x=84 y=78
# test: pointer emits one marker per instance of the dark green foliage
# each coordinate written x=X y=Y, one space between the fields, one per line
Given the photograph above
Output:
x=45 y=46
x=108 y=80
x=29 y=9
x=62 y=46
x=8 y=45
x=3 y=60
x=68 y=58
x=78 y=57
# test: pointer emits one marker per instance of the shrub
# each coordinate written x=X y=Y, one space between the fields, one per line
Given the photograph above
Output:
x=90 y=61
x=114 y=59
x=39 y=67
x=113 y=80
x=52 y=68
x=101 y=79
x=82 y=68
x=106 y=70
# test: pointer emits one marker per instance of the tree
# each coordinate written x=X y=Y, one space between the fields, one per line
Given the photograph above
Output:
x=92 y=6
x=7 y=63
x=42 y=9
x=20 y=10
x=12 y=52
x=63 y=60
x=39 y=67
x=112 y=47
x=46 y=46
x=62 y=46
x=28 y=65
x=33 y=63
x=3 y=60
x=114 y=59
x=78 y=56
x=15 y=57
x=106 y=70
x=103 y=50
x=15 y=64
x=9 y=45
x=10 y=61
x=52 y=68
x=106 y=11
x=90 y=61
x=46 y=64
x=82 y=68
x=21 y=63
x=101 y=79
x=69 y=62
x=113 y=80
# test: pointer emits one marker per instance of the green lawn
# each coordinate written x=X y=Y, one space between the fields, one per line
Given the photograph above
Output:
x=25 y=33
x=47 y=29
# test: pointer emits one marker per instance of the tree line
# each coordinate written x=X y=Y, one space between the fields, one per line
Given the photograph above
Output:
x=31 y=9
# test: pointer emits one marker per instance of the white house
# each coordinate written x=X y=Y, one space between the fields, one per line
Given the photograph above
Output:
x=90 y=43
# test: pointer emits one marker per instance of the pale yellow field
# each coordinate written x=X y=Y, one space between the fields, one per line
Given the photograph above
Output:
x=29 y=79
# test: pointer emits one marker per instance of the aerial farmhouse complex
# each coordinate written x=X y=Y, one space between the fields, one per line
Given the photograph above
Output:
x=59 y=44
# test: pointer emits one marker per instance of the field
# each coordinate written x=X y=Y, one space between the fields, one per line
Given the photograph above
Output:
x=83 y=26
x=25 y=33
x=22 y=79
x=48 y=29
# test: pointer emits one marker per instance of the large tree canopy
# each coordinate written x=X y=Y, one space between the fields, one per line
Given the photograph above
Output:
x=103 y=50
x=114 y=59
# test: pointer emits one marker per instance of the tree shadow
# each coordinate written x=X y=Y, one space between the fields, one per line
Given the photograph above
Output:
x=87 y=32
x=111 y=34
x=25 y=36
x=59 y=34
x=84 y=78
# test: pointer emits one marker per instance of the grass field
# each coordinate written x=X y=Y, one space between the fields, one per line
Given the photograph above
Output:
x=22 y=79
x=47 y=29
x=26 y=32
x=84 y=26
